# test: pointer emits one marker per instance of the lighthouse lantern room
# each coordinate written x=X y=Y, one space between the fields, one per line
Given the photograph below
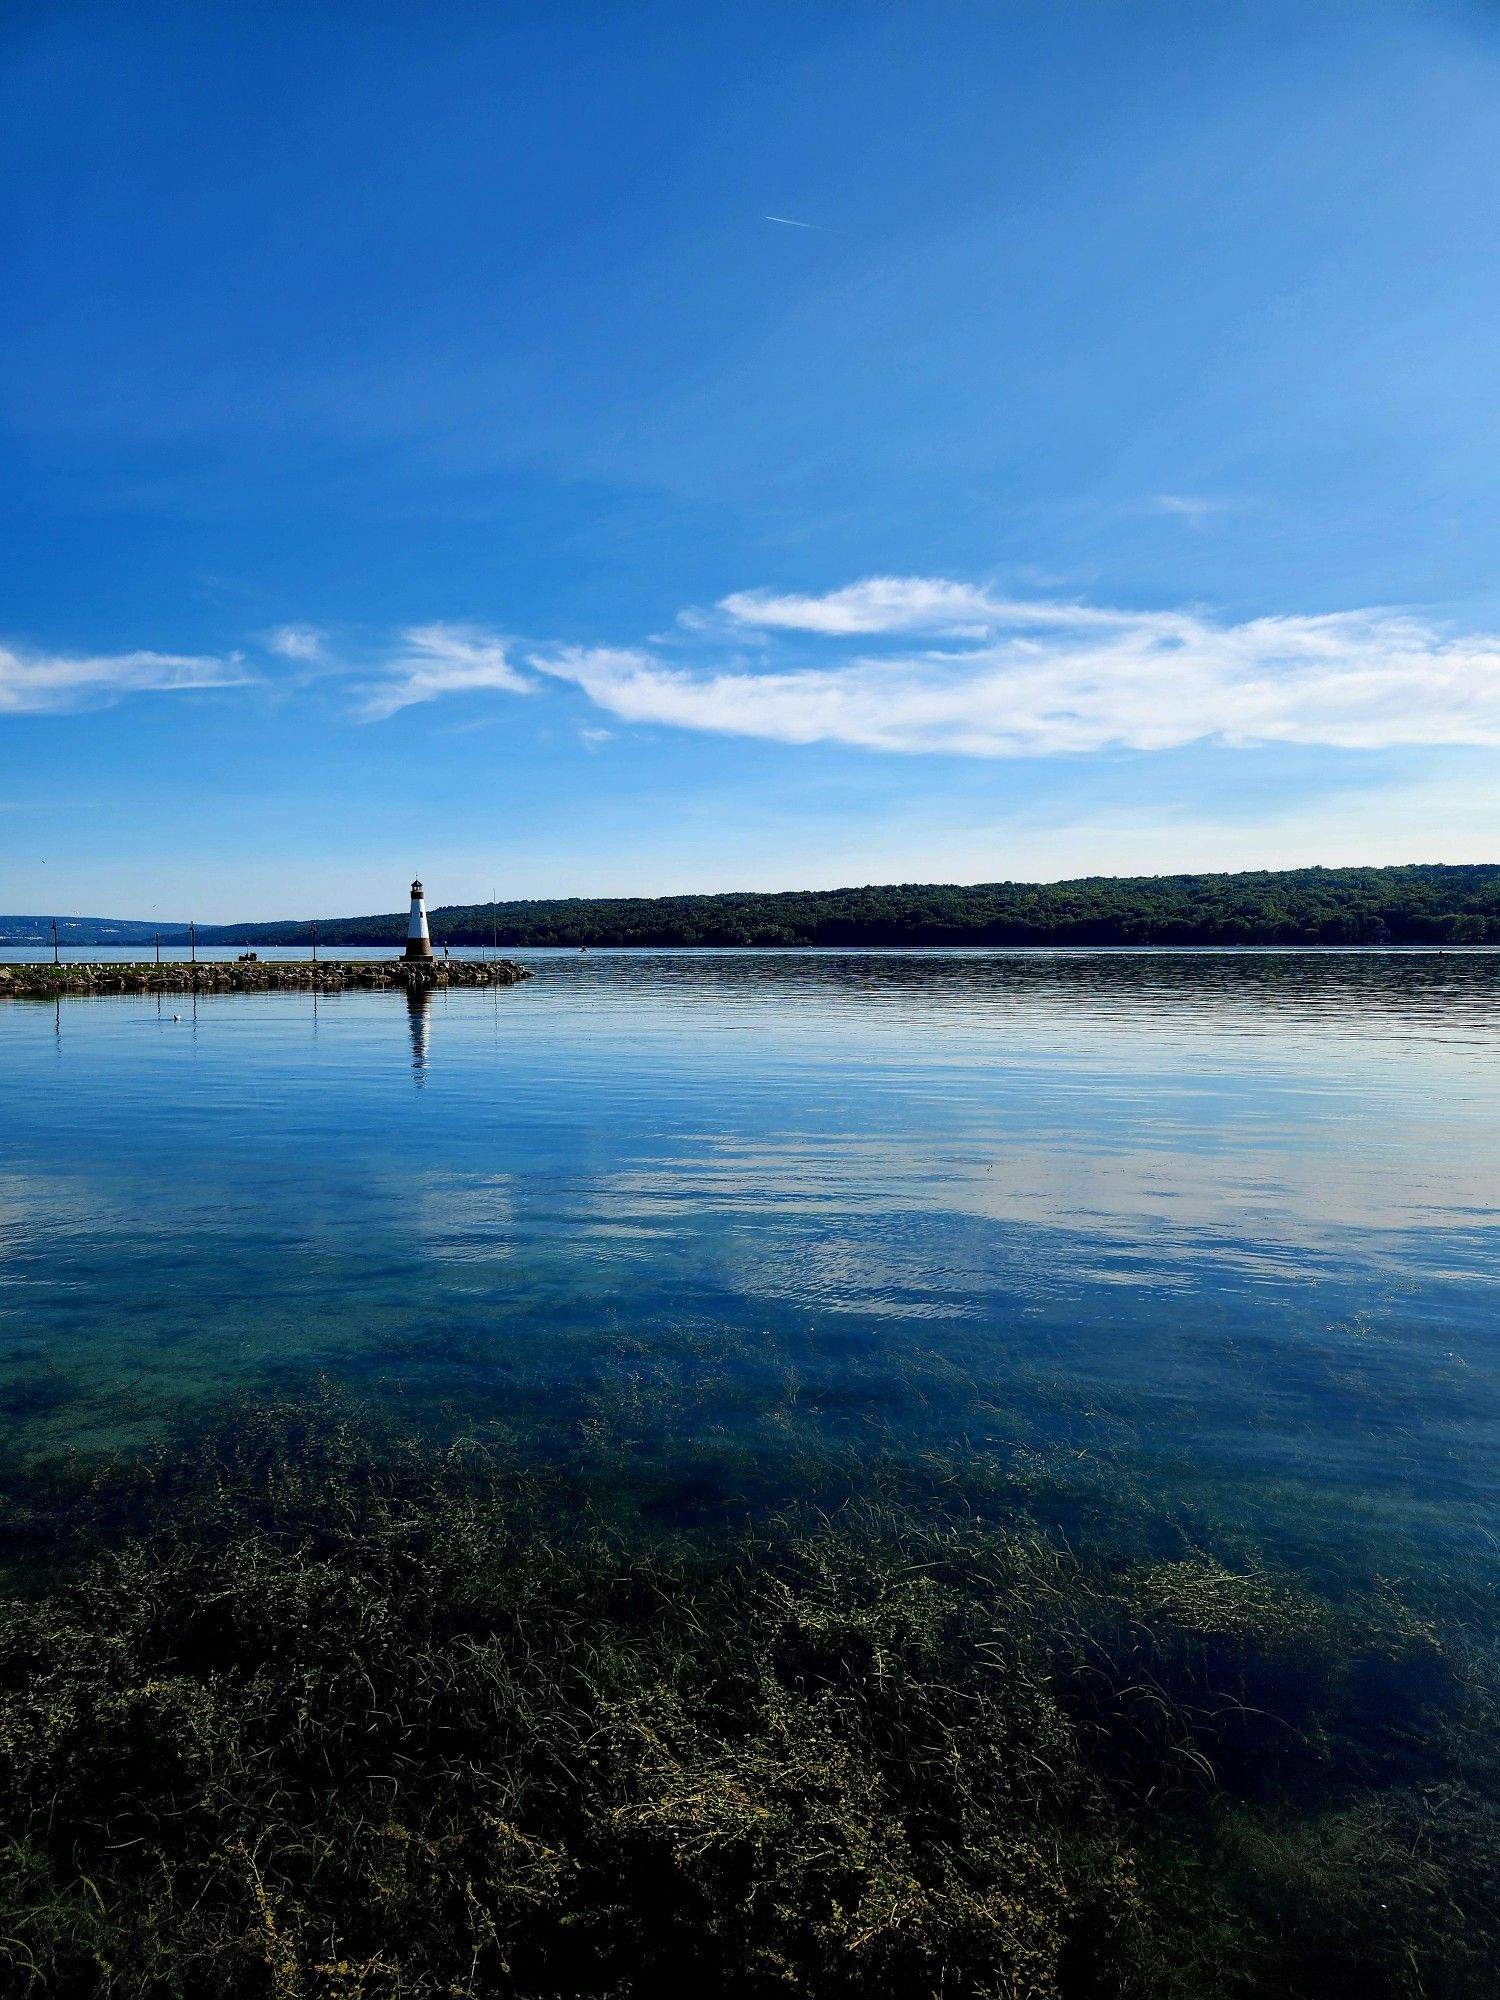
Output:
x=418 y=942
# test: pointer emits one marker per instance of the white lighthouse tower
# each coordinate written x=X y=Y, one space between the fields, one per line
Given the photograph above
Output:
x=418 y=943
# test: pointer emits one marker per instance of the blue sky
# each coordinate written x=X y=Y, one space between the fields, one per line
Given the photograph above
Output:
x=420 y=451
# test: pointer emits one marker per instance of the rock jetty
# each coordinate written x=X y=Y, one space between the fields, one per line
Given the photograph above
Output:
x=330 y=975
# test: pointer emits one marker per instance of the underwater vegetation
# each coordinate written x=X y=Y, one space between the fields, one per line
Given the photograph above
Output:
x=298 y=1708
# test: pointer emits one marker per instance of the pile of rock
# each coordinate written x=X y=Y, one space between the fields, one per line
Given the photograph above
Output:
x=45 y=982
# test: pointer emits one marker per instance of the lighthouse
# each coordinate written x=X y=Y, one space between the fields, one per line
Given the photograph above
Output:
x=418 y=943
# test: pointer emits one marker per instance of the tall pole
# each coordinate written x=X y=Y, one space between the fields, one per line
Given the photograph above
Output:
x=494 y=926
x=55 y=959
x=158 y=947
x=315 y=941
x=193 y=941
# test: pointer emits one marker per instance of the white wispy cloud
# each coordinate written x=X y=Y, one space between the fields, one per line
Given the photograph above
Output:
x=436 y=660
x=1005 y=678
x=911 y=664
x=298 y=642
x=877 y=604
x=1188 y=506
x=36 y=683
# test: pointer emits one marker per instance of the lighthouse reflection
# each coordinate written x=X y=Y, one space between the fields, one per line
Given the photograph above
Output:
x=418 y=1011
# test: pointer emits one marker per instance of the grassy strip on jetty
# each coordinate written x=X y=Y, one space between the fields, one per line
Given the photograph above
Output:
x=303 y=1712
x=48 y=982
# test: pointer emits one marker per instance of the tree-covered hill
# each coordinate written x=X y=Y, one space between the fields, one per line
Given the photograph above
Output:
x=1427 y=904
x=75 y=931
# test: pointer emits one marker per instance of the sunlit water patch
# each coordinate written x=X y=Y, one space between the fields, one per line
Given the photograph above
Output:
x=1228 y=1216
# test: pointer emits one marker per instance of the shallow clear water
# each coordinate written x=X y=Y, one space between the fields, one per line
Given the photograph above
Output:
x=1231 y=1216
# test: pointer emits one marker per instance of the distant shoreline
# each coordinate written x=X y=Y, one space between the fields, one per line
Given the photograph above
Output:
x=1420 y=904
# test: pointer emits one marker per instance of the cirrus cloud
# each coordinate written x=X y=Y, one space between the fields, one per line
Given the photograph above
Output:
x=298 y=642
x=441 y=659
x=916 y=665
x=877 y=604
x=1039 y=677
x=39 y=683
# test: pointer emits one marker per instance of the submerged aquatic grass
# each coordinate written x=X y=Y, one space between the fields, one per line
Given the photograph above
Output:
x=300 y=1708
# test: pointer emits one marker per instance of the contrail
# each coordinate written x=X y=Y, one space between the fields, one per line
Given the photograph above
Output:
x=791 y=222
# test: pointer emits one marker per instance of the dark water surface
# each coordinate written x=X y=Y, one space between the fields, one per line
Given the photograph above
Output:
x=1223 y=1219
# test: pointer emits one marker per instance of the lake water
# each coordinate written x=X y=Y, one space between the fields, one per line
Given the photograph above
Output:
x=1227 y=1221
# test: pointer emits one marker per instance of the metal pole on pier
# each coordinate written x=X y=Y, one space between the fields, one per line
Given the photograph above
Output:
x=158 y=947
x=315 y=941
x=193 y=941
x=55 y=959
x=494 y=927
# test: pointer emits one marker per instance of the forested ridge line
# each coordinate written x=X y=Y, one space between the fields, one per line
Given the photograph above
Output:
x=1419 y=904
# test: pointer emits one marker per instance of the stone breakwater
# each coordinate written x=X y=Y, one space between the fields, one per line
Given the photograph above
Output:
x=47 y=982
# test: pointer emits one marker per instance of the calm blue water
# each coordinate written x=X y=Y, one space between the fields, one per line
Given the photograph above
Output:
x=1230 y=1217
